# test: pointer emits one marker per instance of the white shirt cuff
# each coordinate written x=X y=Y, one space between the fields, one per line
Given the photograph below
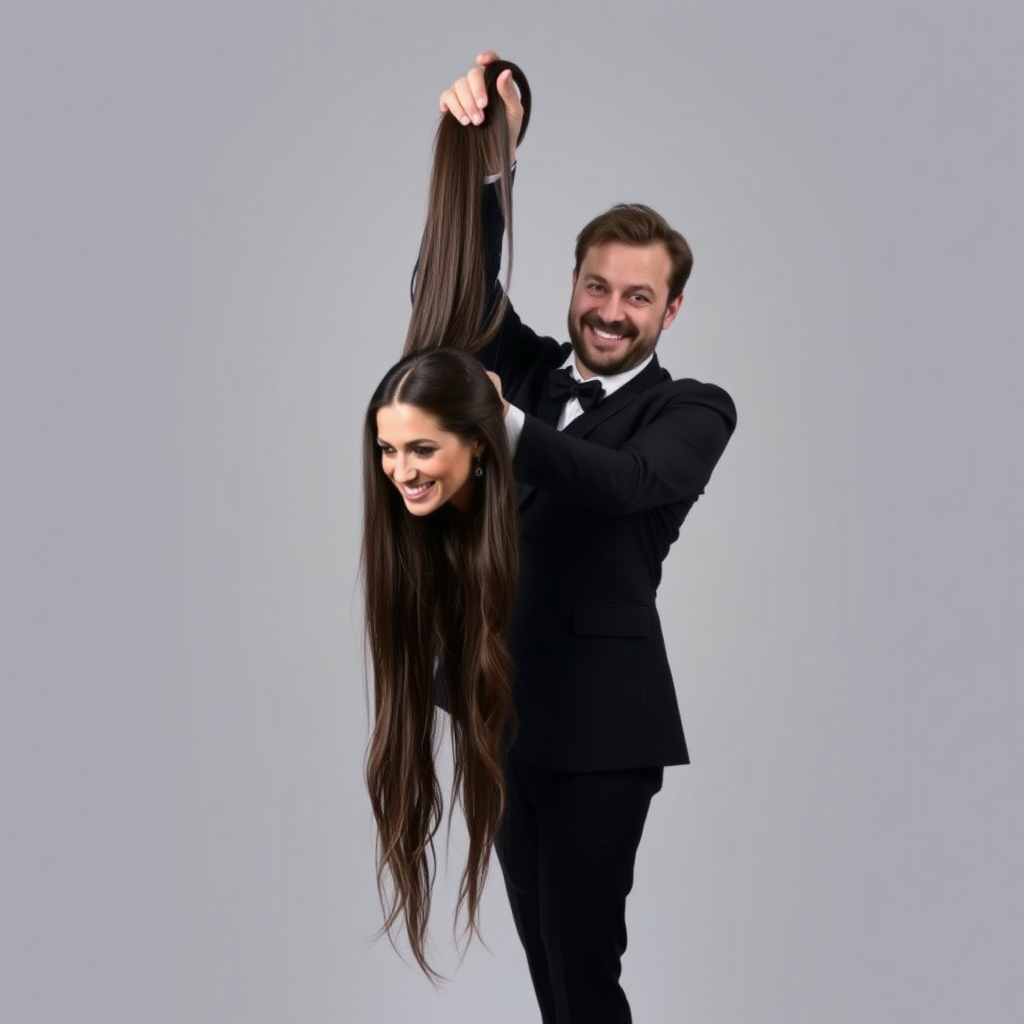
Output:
x=515 y=420
x=490 y=179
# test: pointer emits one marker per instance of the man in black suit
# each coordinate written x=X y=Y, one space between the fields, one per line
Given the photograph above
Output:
x=610 y=454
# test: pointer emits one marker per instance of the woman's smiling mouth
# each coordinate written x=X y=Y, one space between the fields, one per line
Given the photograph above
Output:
x=414 y=492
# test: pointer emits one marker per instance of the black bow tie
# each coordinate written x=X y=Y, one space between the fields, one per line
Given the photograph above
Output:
x=564 y=385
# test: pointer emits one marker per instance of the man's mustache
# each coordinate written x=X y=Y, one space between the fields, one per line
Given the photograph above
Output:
x=620 y=327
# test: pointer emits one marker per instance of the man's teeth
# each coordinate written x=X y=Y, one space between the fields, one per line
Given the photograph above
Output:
x=606 y=336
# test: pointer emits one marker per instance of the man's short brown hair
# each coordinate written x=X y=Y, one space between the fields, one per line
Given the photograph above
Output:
x=638 y=225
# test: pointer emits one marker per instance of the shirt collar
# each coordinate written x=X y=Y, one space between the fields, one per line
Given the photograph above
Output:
x=613 y=381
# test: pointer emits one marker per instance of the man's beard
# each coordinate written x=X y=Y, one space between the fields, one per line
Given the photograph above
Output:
x=623 y=328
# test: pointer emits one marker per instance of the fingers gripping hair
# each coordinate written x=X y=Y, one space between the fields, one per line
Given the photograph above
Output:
x=455 y=304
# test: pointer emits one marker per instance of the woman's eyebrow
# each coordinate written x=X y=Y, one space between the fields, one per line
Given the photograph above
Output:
x=408 y=444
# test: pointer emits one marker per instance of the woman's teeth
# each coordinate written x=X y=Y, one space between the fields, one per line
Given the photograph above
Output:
x=417 y=490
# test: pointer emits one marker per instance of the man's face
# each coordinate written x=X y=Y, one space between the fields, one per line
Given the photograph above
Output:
x=619 y=306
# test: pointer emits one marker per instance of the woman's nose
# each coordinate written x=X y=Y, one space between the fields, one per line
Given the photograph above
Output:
x=404 y=469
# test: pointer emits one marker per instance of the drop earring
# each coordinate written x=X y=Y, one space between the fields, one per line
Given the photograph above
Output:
x=478 y=471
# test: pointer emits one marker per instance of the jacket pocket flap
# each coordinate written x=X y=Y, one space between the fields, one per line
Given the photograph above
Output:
x=611 y=620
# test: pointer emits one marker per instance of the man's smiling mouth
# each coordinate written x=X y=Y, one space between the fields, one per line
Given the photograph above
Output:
x=605 y=331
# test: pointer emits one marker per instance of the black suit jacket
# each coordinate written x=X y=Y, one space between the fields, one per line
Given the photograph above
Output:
x=600 y=503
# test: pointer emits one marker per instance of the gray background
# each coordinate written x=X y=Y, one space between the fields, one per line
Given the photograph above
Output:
x=209 y=212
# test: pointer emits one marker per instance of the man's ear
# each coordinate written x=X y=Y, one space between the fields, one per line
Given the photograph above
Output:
x=671 y=310
x=574 y=276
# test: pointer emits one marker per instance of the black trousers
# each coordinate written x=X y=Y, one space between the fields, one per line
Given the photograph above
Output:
x=567 y=849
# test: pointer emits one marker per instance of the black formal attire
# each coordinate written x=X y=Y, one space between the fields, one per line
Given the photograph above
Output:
x=600 y=504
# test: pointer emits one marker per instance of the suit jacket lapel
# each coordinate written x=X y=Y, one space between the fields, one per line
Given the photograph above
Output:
x=652 y=374
x=548 y=410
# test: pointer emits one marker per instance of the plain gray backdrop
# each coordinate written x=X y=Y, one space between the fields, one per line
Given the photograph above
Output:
x=209 y=215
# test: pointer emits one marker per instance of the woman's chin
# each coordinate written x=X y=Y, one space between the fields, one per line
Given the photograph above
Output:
x=420 y=510
x=423 y=507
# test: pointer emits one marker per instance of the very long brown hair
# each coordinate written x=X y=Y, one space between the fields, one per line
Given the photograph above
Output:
x=452 y=286
x=440 y=588
x=439 y=594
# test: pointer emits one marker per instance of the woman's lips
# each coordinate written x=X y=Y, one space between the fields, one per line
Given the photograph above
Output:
x=416 y=492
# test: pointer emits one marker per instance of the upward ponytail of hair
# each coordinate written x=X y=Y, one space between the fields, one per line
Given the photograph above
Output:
x=451 y=289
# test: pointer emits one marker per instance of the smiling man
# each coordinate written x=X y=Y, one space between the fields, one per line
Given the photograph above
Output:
x=627 y=287
x=610 y=454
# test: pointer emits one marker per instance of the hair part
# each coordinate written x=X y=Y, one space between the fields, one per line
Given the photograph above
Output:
x=638 y=225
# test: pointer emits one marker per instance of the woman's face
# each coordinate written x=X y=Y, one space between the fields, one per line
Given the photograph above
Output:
x=428 y=465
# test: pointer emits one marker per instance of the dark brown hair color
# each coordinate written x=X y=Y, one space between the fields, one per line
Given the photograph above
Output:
x=451 y=290
x=439 y=595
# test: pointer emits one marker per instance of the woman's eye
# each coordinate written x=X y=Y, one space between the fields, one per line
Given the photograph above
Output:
x=424 y=452
x=386 y=449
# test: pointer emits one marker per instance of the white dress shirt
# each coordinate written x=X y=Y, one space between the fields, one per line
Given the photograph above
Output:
x=515 y=418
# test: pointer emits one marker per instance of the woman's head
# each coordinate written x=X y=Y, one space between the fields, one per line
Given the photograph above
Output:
x=434 y=428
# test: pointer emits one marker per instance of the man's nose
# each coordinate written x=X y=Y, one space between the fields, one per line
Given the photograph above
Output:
x=611 y=309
